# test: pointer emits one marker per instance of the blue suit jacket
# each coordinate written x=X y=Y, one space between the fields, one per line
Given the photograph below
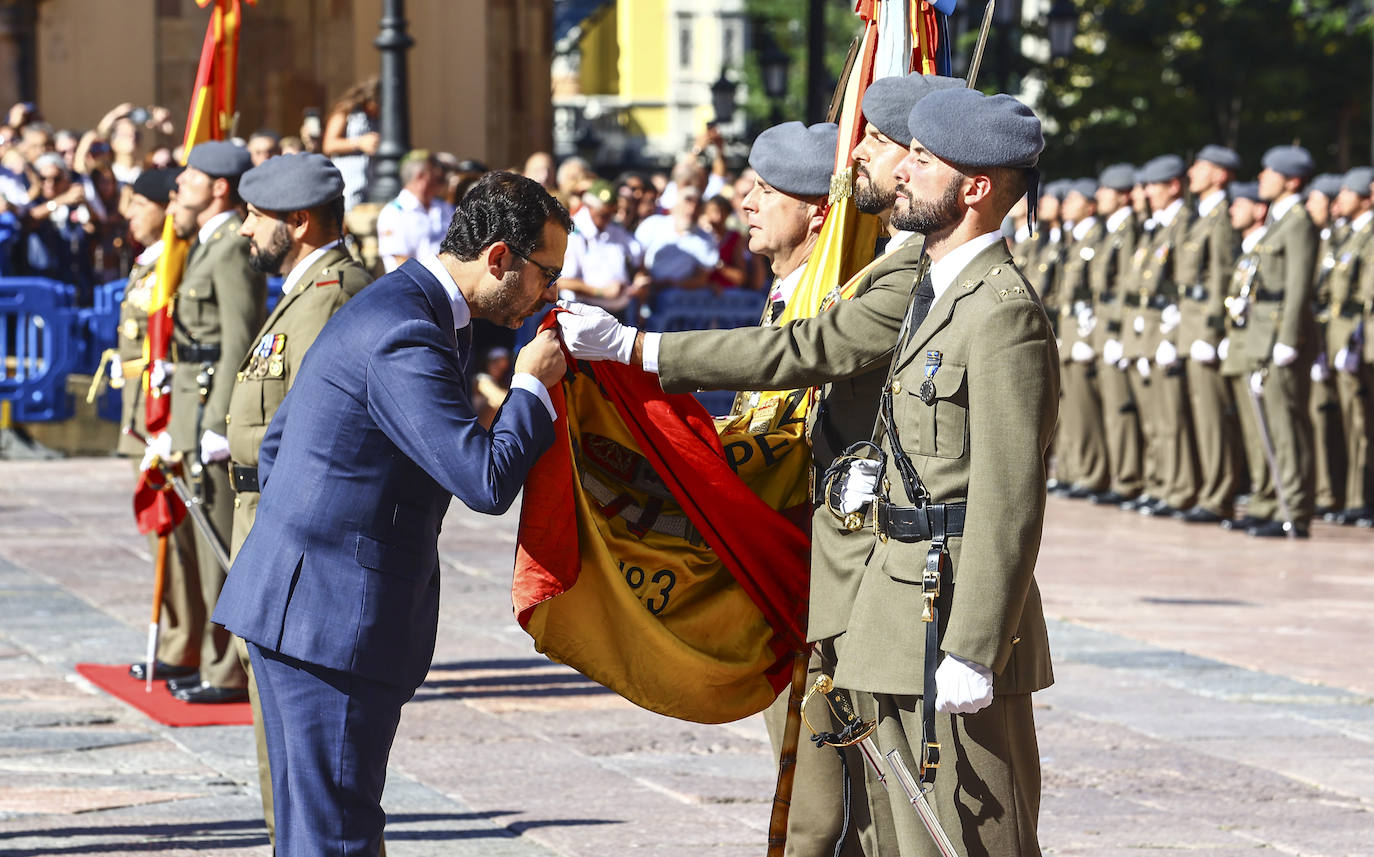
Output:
x=341 y=568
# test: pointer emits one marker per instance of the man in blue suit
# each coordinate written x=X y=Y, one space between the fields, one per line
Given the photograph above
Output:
x=336 y=589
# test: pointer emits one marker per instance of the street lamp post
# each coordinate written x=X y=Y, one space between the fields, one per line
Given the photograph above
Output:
x=394 y=94
x=723 y=98
x=773 y=63
x=1063 y=26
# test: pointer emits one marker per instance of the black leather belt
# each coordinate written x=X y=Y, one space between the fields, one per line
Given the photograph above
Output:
x=198 y=353
x=1113 y=327
x=917 y=523
x=243 y=478
x=1267 y=296
x=1195 y=293
x=1350 y=309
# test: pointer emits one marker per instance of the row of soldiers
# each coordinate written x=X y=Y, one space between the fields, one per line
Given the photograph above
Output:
x=1211 y=338
x=231 y=365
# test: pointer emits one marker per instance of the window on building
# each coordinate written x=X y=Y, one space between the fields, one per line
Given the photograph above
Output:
x=684 y=41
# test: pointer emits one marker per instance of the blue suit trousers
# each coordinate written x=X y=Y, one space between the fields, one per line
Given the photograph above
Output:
x=329 y=735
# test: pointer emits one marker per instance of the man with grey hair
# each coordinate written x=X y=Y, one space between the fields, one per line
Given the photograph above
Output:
x=414 y=223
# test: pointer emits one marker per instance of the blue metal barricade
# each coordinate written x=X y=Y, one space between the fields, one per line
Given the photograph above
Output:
x=98 y=330
x=699 y=309
x=38 y=333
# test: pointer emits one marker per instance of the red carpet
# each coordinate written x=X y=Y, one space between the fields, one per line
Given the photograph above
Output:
x=160 y=704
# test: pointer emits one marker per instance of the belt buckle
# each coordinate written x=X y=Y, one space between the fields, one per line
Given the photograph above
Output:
x=878 y=530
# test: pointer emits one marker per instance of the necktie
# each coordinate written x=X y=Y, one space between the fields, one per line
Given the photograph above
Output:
x=921 y=301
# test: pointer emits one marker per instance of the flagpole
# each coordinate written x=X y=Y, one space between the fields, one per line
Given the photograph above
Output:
x=787 y=757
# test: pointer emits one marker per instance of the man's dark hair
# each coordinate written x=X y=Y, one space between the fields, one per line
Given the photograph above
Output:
x=502 y=206
x=331 y=214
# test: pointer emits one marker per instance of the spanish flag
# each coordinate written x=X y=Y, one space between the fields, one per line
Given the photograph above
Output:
x=210 y=117
x=665 y=554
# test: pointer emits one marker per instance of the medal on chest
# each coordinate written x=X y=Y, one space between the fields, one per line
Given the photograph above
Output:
x=927 y=391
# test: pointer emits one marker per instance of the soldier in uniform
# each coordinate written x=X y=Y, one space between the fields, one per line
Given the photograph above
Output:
x=1238 y=363
x=294 y=227
x=178 y=645
x=968 y=417
x=1283 y=336
x=1348 y=286
x=219 y=305
x=1081 y=444
x=1328 y=442
x=844 y=350
x=1108 y=278
x=1205 y=262
x=1156 y=322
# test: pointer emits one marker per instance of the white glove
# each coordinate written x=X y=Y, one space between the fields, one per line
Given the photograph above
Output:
x=1320 y=370
x=860 y=485
x=116 y=368
x=213 y=447
x=1169 y=318
x=1123 y=364
x=1202 y=351
x=591 y=333
x=1112 y=351
x=1087 y=320
x=160 y=375
x=1224 y=348
x=1347 y=360
x=159 y=447
x=1166 y=354
x=1142 y=366
x=1284 y=355
x=1081 y=352
x=1257 y=383
x=962 y=687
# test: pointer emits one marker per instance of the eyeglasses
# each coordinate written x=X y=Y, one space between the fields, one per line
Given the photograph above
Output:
x=550 y=274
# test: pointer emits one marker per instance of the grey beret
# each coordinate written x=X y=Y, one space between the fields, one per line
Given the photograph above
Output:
x=157 y=185
x=795 y=159
x=1244 y=190
x=965 y=127
x=888 y=101
x=1058 y=188
x=1165 y=168
x=1326 y=184
x=1221 y=156
x=1087 y=188
x=1295 y=162
x=291 y=183
x=1358 y=180
x=1118 y=177
x=220 y=159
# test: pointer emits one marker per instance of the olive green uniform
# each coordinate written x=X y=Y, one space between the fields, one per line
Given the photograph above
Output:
x=183 y=610
x=1350 y=284
x=218 y=305
x=1205 y=261
x=1081 y=444
x=843 y=350
x=977 y=436
x=261 y=382
x=1324 y=408
x=1108 y=277
x=1282 y=312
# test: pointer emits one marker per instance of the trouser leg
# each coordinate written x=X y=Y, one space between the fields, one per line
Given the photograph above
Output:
x=1175 y=437
x=1121 y=425
x=219 y=666
x=1213 y=432
x=1286 y=392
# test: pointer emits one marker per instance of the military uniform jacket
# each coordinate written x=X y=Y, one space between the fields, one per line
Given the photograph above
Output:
x=981 y=439
x=133 y=328
x=1349 y=280
x=1108 y=276
x=1239 y=359
x=219 y=303
x=1075 y=288
x=1281 y=306
x=1203 y=269
x=1045 y=272
x=1154 y=287
x=846 y=349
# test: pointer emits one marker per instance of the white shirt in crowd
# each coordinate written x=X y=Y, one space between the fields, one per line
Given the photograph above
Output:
x=407 y=229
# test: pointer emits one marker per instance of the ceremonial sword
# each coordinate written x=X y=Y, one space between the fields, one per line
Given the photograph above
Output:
x=188 y=499
x=976 y=61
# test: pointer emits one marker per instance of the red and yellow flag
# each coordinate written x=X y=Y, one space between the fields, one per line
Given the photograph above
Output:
x=210 y=117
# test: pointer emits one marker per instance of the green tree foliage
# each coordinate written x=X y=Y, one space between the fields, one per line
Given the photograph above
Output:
x=784 y=22
x=1156 y=76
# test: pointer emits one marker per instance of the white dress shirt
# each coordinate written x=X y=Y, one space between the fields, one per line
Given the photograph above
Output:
x=298 y=270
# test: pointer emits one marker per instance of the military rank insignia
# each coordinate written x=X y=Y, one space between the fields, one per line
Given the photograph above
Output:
x=268 y=359
x=927 y=391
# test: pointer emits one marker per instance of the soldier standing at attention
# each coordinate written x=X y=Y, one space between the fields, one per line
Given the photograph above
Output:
x=1157 y=319
x=968 y=418
x=1205 y=262
x=1328 y=443
x=1238 y=355
x=219 y=305
x=1108 y=278
x=294 y=227
x=1283 y=334
x=178 y=646
x=1346 y=329
x=1081 y=446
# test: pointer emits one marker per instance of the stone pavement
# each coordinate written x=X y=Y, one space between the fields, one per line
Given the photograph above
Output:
x=1214 y=696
